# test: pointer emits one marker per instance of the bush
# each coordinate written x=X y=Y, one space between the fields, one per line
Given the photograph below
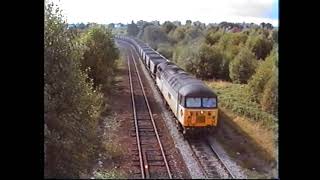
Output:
x=186 y=57
x=168 y=26
x=100 y=55
x=71 y=103
x=275 y=36
x=132 y=29
x=212 y=37
x=236 y=98
x=191 y=33
x=263 y=73
x=269 y=101
x=259 y=45
x=210 y=62
x=166 y=50
x=153 y=35
x=178 y=34
x=243 y=66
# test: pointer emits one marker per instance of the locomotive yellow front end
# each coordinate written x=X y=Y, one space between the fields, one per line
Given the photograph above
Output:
x=199 y=114
x=200 y=118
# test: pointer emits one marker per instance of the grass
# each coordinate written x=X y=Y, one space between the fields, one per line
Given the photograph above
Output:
x=265 y=139
x=260 y=126
x=111 y=174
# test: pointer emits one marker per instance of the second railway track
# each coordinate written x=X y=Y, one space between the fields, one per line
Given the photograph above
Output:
x=150 y=154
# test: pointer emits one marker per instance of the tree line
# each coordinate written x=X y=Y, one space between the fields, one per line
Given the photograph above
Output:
x=239 y=53
x=78 y=68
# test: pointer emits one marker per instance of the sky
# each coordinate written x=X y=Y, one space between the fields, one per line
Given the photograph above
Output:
x=206 y=11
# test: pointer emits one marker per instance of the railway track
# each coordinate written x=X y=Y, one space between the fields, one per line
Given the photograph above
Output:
x=150 y=155
x=211 y=164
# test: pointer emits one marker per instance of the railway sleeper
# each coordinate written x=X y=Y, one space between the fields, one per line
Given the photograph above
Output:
x=156 y=163
x=149 y=143
x=149 y=146
x=146 y=130
x=155 y=158
x=154 y=153
x=146 y=127
x=146 y=135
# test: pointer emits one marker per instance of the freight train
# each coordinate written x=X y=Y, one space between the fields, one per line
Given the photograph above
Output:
x=194 y=105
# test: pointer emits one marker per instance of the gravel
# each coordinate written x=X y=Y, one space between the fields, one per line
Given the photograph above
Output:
x=181 y=144
x=232 y=166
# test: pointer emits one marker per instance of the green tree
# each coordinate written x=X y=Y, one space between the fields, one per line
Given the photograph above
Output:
x=154 y=35
x=168 y=26
x=275 y=36
x=179 y=34
x=100 y=55
x=269 y=101
x=230 y=44
x=187 y=57
x=133 y=29
x=210 y=62
x=263 y=73
x=269 y=26
x=212 y=37
x=71 y=103
x=191 y=33
x=188 y=22
x=259 y=45
x=166 y=50
x=199 y=59
x=243 y=66
x=143 y=25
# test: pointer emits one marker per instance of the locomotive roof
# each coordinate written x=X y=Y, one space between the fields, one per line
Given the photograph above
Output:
x=184 y=83
x=148 y=50
x=153 y=55
x=157 y=60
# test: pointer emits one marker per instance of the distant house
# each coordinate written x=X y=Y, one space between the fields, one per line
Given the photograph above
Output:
x=235 y=29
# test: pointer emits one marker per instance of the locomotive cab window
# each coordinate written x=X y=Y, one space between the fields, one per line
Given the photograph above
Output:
x=209 y=102
x=193 y=102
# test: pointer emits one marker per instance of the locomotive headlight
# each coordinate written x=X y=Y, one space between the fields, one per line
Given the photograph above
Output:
x=201 y=112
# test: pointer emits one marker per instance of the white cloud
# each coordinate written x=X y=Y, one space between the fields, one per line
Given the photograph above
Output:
x=107 y=11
